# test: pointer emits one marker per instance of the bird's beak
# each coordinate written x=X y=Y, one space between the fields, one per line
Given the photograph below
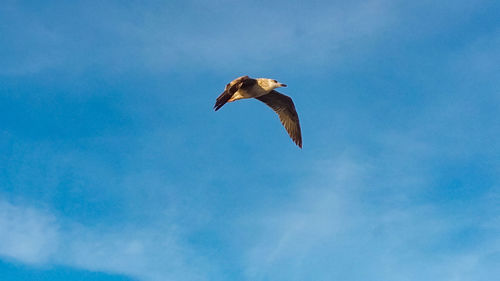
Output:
x=282 y=85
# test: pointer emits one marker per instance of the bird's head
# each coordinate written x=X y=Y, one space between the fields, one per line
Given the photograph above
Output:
x=270 y=84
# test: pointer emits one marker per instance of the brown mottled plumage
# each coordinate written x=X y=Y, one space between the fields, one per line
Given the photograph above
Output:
x=262 y=89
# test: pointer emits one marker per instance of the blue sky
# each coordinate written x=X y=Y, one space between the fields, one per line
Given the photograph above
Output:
x=115 y=167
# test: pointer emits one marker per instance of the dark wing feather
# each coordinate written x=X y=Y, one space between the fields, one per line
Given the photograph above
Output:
x=231 y=88
x=284 y=107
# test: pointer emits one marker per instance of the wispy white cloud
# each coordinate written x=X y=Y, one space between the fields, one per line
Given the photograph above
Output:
x=166 y=36
x=142 y=225
x=27 y=234
x=335 y=227
x=37 y=237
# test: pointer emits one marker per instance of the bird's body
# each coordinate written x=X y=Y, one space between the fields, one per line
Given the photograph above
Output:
x=250 y=88
x=262 y=89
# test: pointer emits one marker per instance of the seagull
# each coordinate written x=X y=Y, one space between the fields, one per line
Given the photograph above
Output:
x=262 y=89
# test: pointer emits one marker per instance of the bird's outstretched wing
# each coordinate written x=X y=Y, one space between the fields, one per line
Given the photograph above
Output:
x=284 y=107
x=231 y=88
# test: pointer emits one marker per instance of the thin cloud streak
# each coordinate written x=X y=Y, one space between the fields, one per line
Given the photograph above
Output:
x=27 y=234
x=334 y=226
x=157 y=37
x=37 y=237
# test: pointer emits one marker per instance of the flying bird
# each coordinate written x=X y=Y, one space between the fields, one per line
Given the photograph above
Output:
x=262 y=89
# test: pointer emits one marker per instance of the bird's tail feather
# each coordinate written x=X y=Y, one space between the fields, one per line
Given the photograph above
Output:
x=222 y=99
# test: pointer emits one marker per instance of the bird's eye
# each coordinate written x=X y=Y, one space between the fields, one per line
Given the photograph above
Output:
x=275 y=81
